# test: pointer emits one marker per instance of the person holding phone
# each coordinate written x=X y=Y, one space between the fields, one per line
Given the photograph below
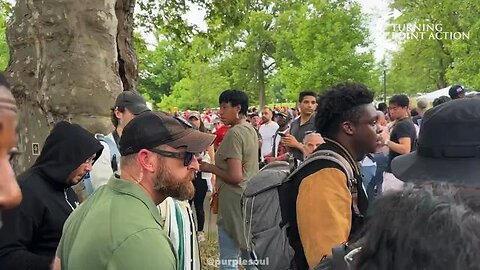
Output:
x=279 y=151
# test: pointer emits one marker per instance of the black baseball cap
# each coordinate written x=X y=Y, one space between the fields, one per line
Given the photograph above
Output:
x=455 y=91
x=152 y=129
x=133 y=101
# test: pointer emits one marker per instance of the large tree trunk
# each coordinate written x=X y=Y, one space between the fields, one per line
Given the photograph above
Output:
x=69 y=59
x=127 y=59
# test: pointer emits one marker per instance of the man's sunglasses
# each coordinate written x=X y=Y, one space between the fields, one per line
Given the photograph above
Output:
x=186 y=156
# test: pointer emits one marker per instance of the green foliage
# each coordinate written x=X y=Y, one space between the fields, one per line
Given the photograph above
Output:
x=160 y=69
x=324 y=48
x=198 y=90
x=5 y=11
x=426 y=64
x=271 y=49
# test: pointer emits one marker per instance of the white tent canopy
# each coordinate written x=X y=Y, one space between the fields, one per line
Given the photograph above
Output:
x=435 y=94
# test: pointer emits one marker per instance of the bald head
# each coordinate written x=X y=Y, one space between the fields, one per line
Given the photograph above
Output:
x=382 y=120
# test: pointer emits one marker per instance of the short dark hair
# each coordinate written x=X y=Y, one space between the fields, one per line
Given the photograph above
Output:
x=3 y=81
x=424 y=227
x=413 y=112
x=305 y=94
x=382 y=107
x=114 y=118
x=235 y=97
x=440 y=100
x=341 y=103
x=400 y=100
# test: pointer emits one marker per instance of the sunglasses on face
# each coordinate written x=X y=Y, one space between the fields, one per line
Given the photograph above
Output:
x=186 y=156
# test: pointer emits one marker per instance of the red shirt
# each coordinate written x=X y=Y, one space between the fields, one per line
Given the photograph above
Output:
x=220 y=134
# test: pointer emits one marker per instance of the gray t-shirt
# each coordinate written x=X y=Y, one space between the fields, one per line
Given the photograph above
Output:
x=298 y=131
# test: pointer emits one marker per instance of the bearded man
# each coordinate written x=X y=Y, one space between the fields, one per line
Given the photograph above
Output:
x=119 y=226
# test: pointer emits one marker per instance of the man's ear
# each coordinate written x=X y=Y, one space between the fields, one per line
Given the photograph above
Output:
x=239 y=108
x=145 y=161
x=348 y=128
x=117 y=113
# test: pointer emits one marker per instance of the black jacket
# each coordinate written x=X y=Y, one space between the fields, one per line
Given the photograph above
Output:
x=32 y=231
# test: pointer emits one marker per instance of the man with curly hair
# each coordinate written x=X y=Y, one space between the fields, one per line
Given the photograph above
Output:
x=328 y=211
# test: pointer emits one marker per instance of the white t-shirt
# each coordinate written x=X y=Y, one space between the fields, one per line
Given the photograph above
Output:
x=267 y=131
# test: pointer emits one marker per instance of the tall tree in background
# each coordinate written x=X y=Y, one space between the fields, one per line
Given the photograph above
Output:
x=276 y=48
x=324 y=43
x=160 y=69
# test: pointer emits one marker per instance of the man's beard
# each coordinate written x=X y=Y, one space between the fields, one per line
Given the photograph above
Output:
x=167 y=185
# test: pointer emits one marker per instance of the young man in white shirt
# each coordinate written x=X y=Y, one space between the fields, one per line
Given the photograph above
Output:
x=267 y=131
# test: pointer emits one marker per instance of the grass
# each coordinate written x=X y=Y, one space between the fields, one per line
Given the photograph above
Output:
x=209 y=252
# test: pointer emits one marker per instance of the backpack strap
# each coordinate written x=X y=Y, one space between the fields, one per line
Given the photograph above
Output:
x=346 y=167
x=331 y=156
x=114 y=153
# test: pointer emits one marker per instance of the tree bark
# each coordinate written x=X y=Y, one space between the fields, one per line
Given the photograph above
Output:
x=127 y=58
x=69 y=59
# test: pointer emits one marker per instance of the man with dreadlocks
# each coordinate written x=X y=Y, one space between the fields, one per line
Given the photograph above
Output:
x=329 y=211
x=10 y=195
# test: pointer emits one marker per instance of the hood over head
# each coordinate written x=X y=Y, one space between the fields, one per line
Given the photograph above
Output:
x=65 y=149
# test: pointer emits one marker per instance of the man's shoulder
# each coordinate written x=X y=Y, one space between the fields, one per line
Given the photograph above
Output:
x=296 y=121
x=115 y=214
x=319 y=167
x=33 y=184
x=240 y=129
x=406 y=124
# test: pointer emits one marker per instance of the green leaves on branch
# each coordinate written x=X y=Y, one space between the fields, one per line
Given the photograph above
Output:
x=426 y=64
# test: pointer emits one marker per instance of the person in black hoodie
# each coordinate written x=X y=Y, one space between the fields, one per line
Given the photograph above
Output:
x=31 y=232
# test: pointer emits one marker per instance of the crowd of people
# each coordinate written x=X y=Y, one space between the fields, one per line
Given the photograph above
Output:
x=134 y=198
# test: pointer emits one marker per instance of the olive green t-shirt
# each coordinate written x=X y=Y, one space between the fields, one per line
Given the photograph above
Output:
x=117 y=227
x=240 y=142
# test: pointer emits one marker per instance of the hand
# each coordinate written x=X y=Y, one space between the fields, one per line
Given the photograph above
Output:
x=206 y=167
x=290 y=141
x=269 y=159
x=380 y=140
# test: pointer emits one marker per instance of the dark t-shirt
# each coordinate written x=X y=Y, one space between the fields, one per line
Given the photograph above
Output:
x=298 y=131
x=402 y=129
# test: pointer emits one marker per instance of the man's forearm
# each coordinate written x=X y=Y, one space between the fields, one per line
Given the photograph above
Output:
x=397 y=147
x=226 y=177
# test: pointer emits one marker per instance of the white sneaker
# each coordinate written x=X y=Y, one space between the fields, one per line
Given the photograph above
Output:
x=200 y=237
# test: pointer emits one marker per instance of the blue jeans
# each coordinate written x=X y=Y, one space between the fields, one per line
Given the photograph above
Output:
x=374 y=188
x=368 y=172
x=230 y=252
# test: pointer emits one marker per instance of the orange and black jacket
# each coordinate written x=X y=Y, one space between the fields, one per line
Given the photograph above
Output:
x=318 y=206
